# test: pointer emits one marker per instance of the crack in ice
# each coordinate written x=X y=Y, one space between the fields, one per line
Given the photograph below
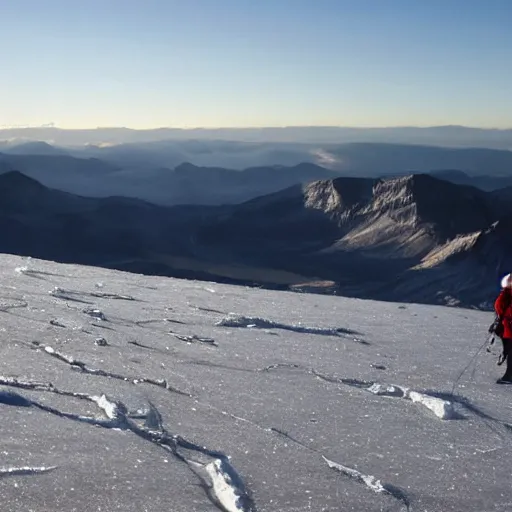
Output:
x=225 y=488
x=233 y=320
x=79 y=365
x=443 y=409
x=25 y=470
x=194 y=339
x=370 y=481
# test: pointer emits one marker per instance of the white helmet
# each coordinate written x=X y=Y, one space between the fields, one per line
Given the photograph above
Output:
x=506 y=282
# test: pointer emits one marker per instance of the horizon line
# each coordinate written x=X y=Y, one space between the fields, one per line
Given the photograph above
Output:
x=52 y=126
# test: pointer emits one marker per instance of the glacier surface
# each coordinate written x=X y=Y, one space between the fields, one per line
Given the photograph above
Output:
x=215 y=397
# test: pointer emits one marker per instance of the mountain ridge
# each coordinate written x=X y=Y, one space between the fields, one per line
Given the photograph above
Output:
x=170 y=173
x=357 y=233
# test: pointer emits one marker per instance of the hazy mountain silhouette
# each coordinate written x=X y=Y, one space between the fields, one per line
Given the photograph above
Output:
x=210 y=153
x=33 y=148
x=485 y=182
x=158 y=172
x=504 y=194
x=407 y=238
x=186 y=184
x=365 y=159
x=456 y=136
x=355 y=159
x=62 y=172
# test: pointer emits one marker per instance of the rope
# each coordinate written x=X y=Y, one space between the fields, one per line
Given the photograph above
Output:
x=465 y=369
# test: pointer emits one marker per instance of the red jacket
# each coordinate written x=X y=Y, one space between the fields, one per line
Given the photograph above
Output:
x=503 y=307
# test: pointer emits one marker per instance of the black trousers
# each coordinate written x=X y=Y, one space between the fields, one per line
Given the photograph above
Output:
x=507 y=355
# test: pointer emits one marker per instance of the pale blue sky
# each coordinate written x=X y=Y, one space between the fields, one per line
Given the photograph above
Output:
x=187 y=63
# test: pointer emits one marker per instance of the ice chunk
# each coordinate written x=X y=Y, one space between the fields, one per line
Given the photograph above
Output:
x=228 y=487
x=441 y=408
x=110 y=408
x=385 y=390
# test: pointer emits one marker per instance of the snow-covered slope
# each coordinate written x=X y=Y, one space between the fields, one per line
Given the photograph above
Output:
x=132 y=393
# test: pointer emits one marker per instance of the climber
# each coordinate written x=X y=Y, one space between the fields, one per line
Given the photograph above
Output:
x=503 y=308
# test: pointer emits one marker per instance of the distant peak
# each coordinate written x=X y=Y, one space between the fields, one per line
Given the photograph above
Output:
x=185 y=166
x=19 y=180
x=307 y=165
x=37 y=147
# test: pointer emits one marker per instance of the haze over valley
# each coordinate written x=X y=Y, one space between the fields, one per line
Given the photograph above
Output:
x=169 y=172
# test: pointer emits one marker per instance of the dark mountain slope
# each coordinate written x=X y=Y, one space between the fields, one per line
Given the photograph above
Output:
x=503 y=194
x=408 y=238
x=52 y=224
x=354 y=211
x=360 y=233
x=466 y=271
x=22 y=194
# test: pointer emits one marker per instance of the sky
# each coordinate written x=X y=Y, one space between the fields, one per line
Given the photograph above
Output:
x=237 y=63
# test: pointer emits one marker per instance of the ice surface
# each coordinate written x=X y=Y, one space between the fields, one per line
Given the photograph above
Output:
x=136 y=424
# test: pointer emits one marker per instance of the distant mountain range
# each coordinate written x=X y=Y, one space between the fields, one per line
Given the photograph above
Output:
x=409 y=238
x=186 y=184
x=454 y=136
x=170 y=173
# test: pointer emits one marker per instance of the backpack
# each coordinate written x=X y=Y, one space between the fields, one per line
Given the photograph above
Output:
x=497 y=327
